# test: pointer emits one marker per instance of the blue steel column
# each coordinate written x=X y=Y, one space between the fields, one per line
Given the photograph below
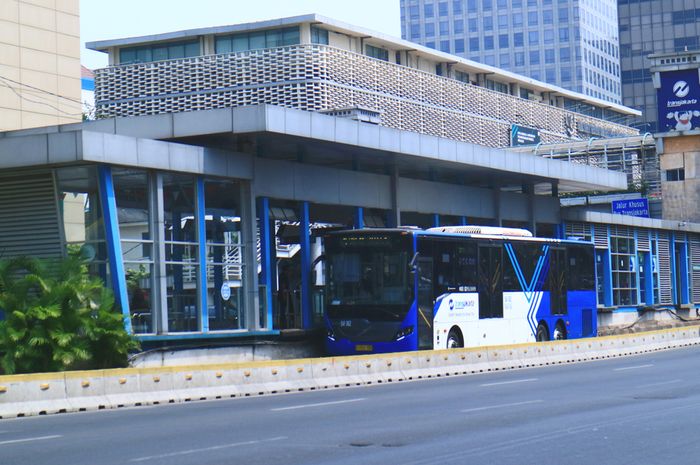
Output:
x=648 y=274
x=202 y=241
x=685 y=285
x=463 y=220
x=637 y=266
x=436 y=220
x=263 y=207
x=607 y=269
x=359 y=218
x=675 y=292
x=305 y=242
x=114 y=246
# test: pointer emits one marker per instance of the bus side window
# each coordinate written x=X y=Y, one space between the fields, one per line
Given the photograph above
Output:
x=465 y=267
x=490 y=282
x=581 y=276
x=558 y=282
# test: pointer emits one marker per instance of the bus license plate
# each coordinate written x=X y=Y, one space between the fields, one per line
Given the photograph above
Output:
x=363 y=348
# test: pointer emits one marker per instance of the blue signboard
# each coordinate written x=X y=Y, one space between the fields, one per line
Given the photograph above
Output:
x=522 y=135
x=631 y=207
x=678 y=101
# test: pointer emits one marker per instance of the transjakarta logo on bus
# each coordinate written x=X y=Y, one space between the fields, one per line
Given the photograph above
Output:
x=461 y=304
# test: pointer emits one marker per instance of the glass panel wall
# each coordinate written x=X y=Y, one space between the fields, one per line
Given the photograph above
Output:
x=133 y=213
x=81 y=215
x=225 y=275
x=181 y=252
x=624 y=270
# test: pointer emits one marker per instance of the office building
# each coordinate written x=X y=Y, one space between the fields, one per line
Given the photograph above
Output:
x=39 y=63
x=652 y=27
x=568 y=43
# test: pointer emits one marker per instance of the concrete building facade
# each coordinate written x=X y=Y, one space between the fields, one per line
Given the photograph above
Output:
x=319 y=64
x=572 y=44
x=40 y=63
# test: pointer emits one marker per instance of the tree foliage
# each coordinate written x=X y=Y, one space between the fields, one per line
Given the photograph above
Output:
x=58 y=317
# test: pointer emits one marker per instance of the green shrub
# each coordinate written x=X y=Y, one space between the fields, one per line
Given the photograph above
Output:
x=58 y=317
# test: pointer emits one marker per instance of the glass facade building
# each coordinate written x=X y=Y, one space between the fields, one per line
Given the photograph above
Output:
x=569 y=43
x=651 y=27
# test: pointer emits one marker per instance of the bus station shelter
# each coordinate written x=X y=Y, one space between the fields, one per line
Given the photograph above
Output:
x=207 y=224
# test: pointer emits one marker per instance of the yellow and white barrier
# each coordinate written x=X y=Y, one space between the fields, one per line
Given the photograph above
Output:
x=46 y=393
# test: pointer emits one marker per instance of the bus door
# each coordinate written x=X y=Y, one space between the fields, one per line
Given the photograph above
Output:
x=490 y=281
x=426 y=302
x=557 y=282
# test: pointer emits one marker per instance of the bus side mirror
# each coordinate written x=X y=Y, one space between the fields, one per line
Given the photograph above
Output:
x=412 y=264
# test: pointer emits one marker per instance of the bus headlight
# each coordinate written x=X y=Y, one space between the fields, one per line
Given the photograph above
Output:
x=330 y=335
x=403 y=333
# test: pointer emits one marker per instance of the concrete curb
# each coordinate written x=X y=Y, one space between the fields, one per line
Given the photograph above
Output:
x=47 y=393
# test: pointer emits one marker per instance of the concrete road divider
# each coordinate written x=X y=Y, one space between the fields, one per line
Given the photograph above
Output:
x=46 y=393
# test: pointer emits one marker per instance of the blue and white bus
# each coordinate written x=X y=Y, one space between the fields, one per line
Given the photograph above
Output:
x=390 y=290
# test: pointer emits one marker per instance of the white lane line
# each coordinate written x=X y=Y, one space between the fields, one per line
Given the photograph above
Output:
x=206 y=449
x=636 y=367
x=664 y=383
x=514 y=404
x=509 y=382
x=320 y=404
x=38 y=438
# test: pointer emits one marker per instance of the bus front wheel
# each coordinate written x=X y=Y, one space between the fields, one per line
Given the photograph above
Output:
x=454 y=339
x=542 y=333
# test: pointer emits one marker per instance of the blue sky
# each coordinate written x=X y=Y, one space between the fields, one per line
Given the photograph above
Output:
x=101 y=19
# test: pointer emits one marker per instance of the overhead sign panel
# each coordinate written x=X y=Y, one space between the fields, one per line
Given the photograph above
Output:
x=632 y=207
x=522 y=135
x=678 y=100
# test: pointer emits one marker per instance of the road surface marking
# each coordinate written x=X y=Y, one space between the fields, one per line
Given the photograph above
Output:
x=510 y=382
x=514 y=404
x=661 y=383
x=39 y=438
x=320 y=404
x=206 y=449
x=636 y=367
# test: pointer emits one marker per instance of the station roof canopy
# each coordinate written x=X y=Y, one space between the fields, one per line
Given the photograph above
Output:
x=205 y=142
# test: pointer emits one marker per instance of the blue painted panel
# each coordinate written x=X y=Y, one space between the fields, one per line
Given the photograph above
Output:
x=114 y=246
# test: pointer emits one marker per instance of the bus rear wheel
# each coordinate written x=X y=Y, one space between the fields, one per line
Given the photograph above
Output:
x=454 y=339
x=542 y=333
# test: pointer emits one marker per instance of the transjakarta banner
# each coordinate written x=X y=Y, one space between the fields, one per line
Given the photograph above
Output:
x=679 y=101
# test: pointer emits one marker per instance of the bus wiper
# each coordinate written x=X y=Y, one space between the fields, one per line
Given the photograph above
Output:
x=389 y=312
x=412 y=263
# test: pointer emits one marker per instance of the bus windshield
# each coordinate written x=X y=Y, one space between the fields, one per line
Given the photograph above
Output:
x=374 y=278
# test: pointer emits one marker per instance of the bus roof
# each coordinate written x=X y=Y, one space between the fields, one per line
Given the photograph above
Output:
x=449 y=232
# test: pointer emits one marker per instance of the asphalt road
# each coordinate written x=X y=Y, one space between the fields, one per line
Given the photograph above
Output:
x=635 y=410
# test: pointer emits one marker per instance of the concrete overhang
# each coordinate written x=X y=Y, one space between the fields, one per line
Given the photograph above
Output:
x=151 y=142
x=76 y=143
x=314 y=129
